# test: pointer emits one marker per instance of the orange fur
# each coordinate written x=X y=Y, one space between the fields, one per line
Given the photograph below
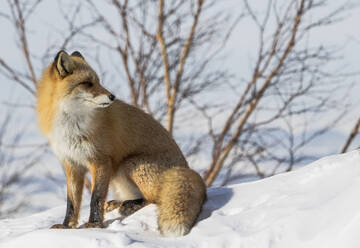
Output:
x=116 y=142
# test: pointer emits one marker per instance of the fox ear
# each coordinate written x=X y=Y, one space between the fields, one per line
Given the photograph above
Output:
x=77 y=54
x=64 y=64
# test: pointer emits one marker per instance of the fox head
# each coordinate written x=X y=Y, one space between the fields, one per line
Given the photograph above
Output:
x=72 y=81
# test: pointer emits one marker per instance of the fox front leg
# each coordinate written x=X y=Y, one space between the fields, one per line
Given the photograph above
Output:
x=75 y=182
x=100 y=177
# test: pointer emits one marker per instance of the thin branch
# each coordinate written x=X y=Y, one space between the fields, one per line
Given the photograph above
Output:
x=351 y=137
x=20 y=23
x=14 y=76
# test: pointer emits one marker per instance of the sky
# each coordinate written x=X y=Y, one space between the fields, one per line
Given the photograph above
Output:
x=46 y=26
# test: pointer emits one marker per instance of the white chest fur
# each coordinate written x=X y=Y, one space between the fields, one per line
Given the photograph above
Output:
x=70 y=136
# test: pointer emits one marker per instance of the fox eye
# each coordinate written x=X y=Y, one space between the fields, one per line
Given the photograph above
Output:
x=88 y=84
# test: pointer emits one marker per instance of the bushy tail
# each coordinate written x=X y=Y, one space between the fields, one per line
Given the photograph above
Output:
x=180 y=197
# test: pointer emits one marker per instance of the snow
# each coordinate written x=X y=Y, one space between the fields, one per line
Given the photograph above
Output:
x=315 y=206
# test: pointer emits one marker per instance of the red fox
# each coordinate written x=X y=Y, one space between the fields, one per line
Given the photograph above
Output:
x=123 y=148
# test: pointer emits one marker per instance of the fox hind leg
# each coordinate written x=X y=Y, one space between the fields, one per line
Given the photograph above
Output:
x=127 y=207
x=131 y=206
x=111 y=205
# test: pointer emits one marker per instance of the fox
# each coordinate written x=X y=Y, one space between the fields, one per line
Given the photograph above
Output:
x=125 y=150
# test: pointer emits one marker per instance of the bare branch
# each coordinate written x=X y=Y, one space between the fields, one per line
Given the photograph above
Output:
x=20 y=23
x=352 y=136
x=14 y=76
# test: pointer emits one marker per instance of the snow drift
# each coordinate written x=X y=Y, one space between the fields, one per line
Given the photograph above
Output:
x=315 y=206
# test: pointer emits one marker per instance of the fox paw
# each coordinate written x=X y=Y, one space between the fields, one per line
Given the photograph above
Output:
x=111 y=205
x=93 y=225
x=61 y=226
x=131 y=206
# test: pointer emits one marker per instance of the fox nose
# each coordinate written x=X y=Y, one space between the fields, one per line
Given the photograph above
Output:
x=111 y=97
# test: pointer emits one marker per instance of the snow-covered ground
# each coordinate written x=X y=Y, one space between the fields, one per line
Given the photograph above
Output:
x=315 y=206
